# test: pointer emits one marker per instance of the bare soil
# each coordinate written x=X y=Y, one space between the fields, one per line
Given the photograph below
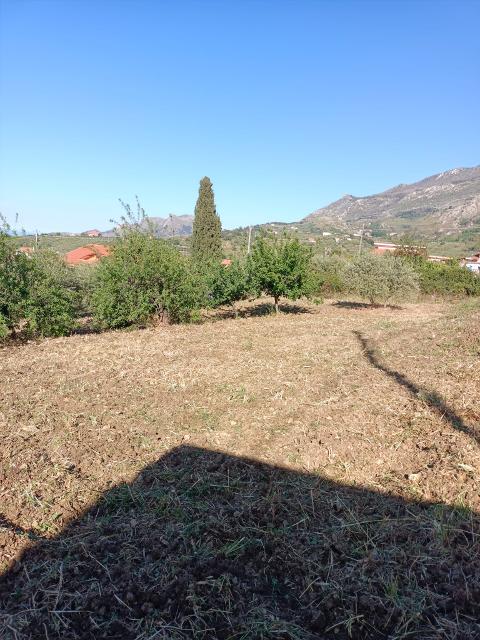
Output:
x=311 y=475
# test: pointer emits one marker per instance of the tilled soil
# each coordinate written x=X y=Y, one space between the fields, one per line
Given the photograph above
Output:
x=313 y=475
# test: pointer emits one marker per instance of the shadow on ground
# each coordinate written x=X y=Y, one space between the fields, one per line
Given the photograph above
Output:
x=431 y=398
x=348 y=304
x=262 y=309
x=7 y=525
x=205 y=545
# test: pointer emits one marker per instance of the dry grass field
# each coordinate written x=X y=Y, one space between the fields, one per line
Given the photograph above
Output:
x=313 y=475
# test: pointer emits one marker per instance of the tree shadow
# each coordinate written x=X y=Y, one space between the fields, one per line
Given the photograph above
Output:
x=347 y=304
x=86 y=327
x=431 y=398
x=260 y=310
x=267 y=308
x=206 y=545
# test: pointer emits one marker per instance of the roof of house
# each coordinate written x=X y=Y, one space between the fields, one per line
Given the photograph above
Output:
x=87 y=254
x=392 y=245
x=381 y=244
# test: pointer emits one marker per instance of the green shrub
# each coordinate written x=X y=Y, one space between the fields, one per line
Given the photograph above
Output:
x=281 y=267
x=35 y=297
x=52 y=301
x=445 y=279
x=14 y=268
x=226 y=284
x=330 y=273
x=145 y=278
x=381 y=279
x=83 y=282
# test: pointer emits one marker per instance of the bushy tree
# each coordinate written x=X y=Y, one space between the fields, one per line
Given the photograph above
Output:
x=226 y=284
x=145 y=278
x=280 y=267
x=36 y=295
x=207 y=228
x=53 y=295
x=381 y=279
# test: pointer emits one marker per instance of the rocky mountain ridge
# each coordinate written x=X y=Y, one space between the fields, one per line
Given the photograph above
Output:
x=450 y=199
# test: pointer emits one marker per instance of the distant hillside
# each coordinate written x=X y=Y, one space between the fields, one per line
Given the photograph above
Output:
x=448 y=200
x=165 y=227
x=442 y=211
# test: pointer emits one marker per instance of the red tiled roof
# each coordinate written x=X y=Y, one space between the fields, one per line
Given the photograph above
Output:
x=88 y=254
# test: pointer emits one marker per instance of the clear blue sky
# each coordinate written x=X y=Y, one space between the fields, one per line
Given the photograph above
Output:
x=286 y=105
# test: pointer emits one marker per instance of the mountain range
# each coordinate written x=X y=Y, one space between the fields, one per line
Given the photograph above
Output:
x=448 y=200
x=442 y=203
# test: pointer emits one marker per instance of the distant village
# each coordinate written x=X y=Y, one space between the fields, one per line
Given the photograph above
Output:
x=471 y=262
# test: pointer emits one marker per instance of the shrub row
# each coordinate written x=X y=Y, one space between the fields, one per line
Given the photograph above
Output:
x=147 y=279
x=384 y=278
x=449 y=279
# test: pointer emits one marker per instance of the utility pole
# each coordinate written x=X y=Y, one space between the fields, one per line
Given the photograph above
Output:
x=361 y=239
x=249 y=239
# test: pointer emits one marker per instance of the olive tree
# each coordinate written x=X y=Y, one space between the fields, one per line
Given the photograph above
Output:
x=381 y=279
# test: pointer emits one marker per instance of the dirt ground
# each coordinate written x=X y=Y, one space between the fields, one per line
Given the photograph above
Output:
x=311 y=475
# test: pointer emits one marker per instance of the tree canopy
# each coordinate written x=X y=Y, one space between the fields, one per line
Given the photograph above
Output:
x=280 y=267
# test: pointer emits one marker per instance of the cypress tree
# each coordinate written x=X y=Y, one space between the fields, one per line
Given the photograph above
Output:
x=207 y=228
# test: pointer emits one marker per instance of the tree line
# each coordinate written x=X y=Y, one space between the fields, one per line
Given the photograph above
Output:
x=147 y=279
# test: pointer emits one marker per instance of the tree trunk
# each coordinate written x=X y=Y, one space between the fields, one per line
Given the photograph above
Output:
x=276 y=298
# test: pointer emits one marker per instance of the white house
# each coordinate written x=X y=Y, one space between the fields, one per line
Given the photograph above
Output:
x=472 y=263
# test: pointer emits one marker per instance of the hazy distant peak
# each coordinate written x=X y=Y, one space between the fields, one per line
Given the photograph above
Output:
x=170 y=226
